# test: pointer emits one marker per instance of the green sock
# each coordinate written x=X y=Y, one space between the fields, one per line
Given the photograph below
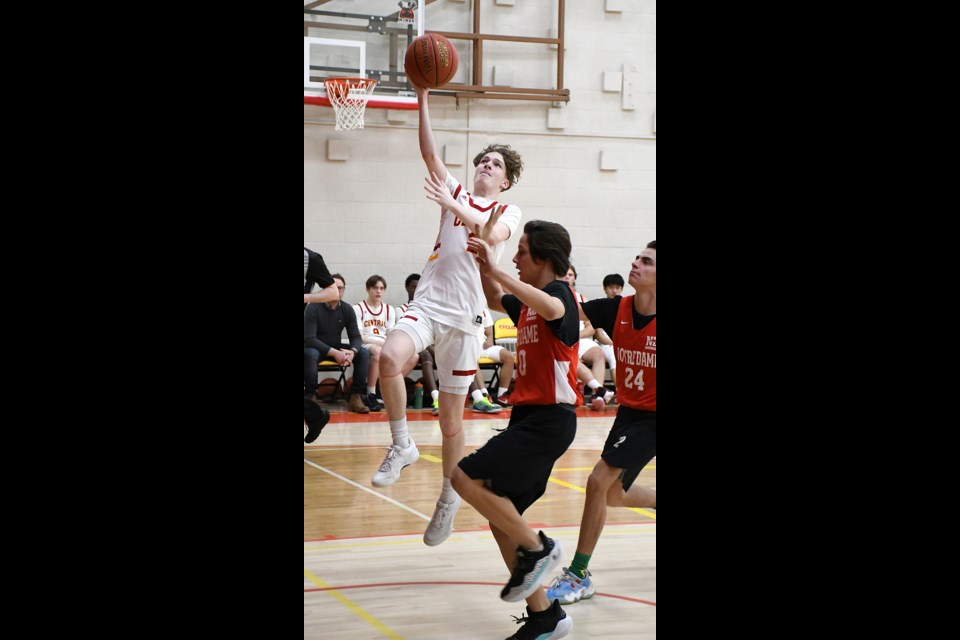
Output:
x=579 y=565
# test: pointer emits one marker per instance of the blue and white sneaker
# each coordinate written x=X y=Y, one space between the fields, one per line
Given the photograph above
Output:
x=568 y=588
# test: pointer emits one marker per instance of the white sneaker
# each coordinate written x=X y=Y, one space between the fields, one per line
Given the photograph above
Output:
x=396 y=461
x=441 y=524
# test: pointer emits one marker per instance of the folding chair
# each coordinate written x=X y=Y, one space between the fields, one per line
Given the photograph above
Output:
x=341 y=387
x=504 y=335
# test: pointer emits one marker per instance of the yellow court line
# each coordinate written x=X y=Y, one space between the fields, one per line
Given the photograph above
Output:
x=379 y=626
x=645 y=512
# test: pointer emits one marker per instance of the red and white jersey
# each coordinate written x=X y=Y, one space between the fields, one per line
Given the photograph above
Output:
x=374 y=324
x=539 y=383
x=450 y=291
x=636 y=353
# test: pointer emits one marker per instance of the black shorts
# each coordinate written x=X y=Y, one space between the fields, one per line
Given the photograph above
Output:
x=632 y=443
x=517 y=463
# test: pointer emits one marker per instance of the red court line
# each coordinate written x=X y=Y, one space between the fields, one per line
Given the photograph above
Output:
x=447 y=583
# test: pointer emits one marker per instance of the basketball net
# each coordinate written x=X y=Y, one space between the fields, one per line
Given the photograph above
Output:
x=348 y=97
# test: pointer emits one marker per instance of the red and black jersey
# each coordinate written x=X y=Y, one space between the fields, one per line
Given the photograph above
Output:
x=636 y=352
x=547 y=352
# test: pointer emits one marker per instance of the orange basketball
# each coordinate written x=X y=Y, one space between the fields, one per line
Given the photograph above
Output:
x=430 y=61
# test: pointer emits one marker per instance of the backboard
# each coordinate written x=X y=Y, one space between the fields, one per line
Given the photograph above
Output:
x=368 y=38
x=361 y=39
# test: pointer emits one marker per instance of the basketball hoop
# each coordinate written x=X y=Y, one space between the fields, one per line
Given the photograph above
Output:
x=348 y=97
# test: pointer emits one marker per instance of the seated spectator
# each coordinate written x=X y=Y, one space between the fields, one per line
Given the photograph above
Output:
x=375 y=318
x=425 y=357
x=323 y=326
x=612 y=287
x=505 y=357
x=592 y=369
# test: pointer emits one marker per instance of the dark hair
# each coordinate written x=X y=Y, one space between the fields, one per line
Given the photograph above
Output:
x=549 y=241
x=373 y=280
x=574 y=269
x=613 y=279
x=410 y=278
x=340 y=277
x=512 y=160
x=652 y=245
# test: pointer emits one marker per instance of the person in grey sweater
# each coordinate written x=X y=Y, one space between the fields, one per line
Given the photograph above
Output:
x=323 y=326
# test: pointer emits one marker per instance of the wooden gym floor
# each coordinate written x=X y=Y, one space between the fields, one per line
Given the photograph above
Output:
x=368 y=575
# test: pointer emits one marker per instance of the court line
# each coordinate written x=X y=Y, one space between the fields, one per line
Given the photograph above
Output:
x=349 y=604
x=649 y=514
x=456 y=583
x=370 y=491
x=643 y=512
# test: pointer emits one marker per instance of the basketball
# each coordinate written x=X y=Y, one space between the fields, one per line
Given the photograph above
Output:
x=430 y=61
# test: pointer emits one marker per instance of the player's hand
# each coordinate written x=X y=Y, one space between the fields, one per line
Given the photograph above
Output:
x=482 y=250
x=486 y=230
x=437 y=191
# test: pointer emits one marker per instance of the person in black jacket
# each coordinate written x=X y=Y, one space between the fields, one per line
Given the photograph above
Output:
x=315 y=417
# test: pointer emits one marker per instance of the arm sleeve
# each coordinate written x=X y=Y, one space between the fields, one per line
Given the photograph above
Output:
x=512 y=305
x=602 y=313
x=317 y=270
x=567 y=328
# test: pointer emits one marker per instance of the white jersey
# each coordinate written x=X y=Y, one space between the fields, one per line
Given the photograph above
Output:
x=375 y=324
x=450 y=291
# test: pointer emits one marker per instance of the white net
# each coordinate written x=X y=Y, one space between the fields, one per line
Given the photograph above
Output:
x=348 y=97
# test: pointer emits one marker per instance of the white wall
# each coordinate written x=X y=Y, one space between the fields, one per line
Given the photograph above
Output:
x=369 y=215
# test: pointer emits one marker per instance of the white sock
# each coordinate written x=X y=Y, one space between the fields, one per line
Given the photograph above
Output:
x=435 y=394
x=476 y=395
x=371 y=391
x=447 y=494
x=593 y=384
x=502 y=391
x=398 y=429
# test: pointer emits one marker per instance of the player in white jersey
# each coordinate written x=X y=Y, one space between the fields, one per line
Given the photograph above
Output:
x=375 y=318
x=447 y=310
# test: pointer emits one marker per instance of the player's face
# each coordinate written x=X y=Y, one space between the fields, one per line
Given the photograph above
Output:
x=643 y=270
x=375 y=292
x=341 y=288
x=571 y=278
x=491 y=174
x=412 y=289
x=526 y=268
x=613 y=290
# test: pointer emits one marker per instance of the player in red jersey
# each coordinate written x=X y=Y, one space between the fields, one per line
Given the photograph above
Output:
x=632 y=443
x=510 y=472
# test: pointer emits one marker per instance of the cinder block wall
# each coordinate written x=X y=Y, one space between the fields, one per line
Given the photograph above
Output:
x=590 y=165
